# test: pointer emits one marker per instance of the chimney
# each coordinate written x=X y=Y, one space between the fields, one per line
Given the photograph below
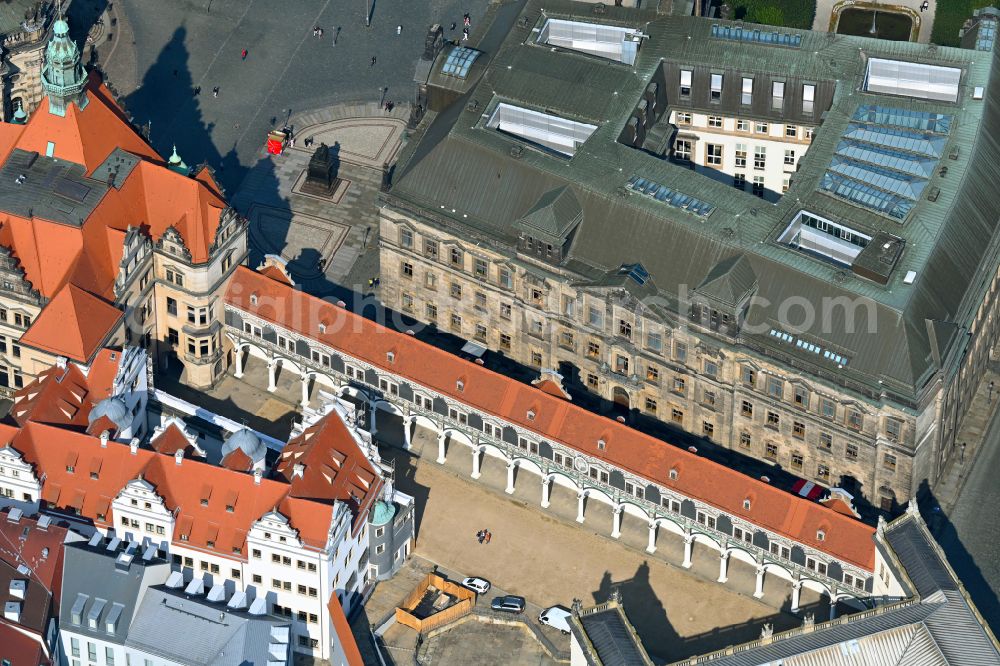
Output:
x=133 y=446
x=298 y=470
x=258 y=473
x=178 y=456
x=12 y=611
x=105 y=435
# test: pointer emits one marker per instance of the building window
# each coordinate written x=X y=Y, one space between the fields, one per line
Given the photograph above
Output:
x=852 y=452
x=777 y=94
x=505 y=278
x=621 y=364
x=801 y=396
x=654 y=341
x=815 y=565
x=456 y=290
x=761 y=128
x=889 y=462
x=707 y=429
x=773 y=420
x=825 y=441
x=685 y=80
x=431 y=312
x=595 y=317
x=790 y=157
x=652 y=374
x=680 y=352
x=854 y=419
x=679 y=385
x=748 y=375
x=746 y=96
x=592 y=382
x=171 y=306
x=456 y=257
x=504 y=342
x=771 y=451
x=625 y=329
x=715 y=121
x=741 y=156
x=745 y=440
x=593 y=349
x=407 y=270
x=536 y=359
x=406 y=238
x=823 y=472
x=481 y=267
x=893 y=429
x=797 y=461
x=798 y=430
x=746 y=409
x=650 y=405
x=682 y=150
x=431 y=249
x=827 y=408
x=713 y=154
x=430 y=280
x=480 y=332
x=780 y=551
x=505 y=311
x=740 y=533
x=708 y=398
x=706 y=520
x=683 y=118
x=175 y=277
x=716 y=87
x=808 y=99
x=775 y=388
x=759 y=158
x=676 y=415
x=791 y=131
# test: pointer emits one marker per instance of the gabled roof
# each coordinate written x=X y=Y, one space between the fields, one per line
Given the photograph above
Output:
x=74 y=324
x=729 y=281
x=65 y=396
x=554 y=214
x=553 y=418
x=333 y=467
x=25 y=544
x=342 y=629
x=172 y=439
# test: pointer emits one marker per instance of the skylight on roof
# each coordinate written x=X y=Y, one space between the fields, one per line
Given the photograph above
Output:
x=670 y=197
x=805 y=345
x=459 y=61
x=886 y=157
x=560 y=135
x=635 y=271
x=605 y=41
x=735 y=33
x=986 y=34
x=912 y=79
x=818 y=236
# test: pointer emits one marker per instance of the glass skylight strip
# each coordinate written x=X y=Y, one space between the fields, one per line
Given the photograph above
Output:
x=672 y=198
x=901 y=139
x=868 y=197
x=560 y=135
x=912 y=79
x=938 y=123
x=605 y=41
x=986 y=34
x=809 y=346
x=890 y=159
x=908 y=187
x=735 y=33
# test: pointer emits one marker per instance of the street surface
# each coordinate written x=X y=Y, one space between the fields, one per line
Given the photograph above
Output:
x=178 y=45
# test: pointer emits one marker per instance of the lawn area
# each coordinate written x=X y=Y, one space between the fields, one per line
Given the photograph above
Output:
x=790 y=13
x=949 y=17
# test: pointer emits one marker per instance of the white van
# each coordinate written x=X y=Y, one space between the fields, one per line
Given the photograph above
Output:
x=556 y=617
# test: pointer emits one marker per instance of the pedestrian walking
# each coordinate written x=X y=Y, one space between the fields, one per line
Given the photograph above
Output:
x=373 y=61
x=465 y=36
x=467 y=20
x=243 y=54
x=399 y=29
x=197 y=90
x=453 y=25
x=480 y=535
x=489 y=535
x=215 y=91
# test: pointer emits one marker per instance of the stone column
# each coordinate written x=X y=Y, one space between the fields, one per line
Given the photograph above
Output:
x=475 y=464
x=758 y=591
x=796 y=590
x=833 y=608
x=546 y=485
x=441 y=457
x=724 y=566
x=372 y=429
x=651 y=545
x=239 y=363
x=580 y=499
x=272 y=375
x=407 y=435
x=688 y=549
x=511 y=466
x=305 y=392
x=616 y=526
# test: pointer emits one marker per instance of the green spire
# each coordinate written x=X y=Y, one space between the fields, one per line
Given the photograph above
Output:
x=175 y=163
x=63 y=77
x=20 y=117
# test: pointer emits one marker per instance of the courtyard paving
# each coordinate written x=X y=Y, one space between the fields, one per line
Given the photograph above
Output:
x=823 y=22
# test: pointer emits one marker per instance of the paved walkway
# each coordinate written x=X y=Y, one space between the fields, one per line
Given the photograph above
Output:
x=548 y=558
x=825 y=8
x=331 y=243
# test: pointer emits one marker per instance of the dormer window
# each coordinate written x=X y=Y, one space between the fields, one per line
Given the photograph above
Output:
x=459 y=385
x=746 y=504
x=673 y=474
x=601 y=444
x=531 y=415
x=820 y=535
x=253 y=299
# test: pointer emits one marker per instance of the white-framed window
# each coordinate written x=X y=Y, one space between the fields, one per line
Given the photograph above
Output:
x=423 y=402
x=790 y=157
x=777 y=94
x=635 y=490
x=456 y=415
x=743 y=535
x=747 y=93
x=319 y=357
x=286 y=343
x=526 y=444
x=492 y=429
x=808 y=99
x=779 y=550
x=716 y=87
x=685 y=81
x=599 y=474
x=706 y=520
x=354 y=372
x=387 y=386
x=670 y=504
x=815 y=565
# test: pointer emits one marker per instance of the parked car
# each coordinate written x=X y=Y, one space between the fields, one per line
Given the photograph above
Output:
x=477 y=585
x=556 y=617
x=508 y=604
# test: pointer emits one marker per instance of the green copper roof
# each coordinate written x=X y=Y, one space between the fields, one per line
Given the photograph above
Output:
x=492 y=180
x=63 y=76
x=382 y=513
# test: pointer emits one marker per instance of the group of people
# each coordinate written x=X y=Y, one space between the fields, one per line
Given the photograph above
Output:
x=484 y=536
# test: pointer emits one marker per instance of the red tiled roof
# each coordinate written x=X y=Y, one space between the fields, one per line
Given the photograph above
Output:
x=18 y=649
x=152 y=198
x=182 y=488
x=170 y=440
x=345 y=637
x=237 y=461
x=276 y=273
x=65 y=396
x=334 y=468
x=640 y=454
x=40 y=549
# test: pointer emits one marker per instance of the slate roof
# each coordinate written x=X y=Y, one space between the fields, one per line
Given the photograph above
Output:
x=938 y=626
x=607 y=637
x=459 y=164
x=189 y=631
